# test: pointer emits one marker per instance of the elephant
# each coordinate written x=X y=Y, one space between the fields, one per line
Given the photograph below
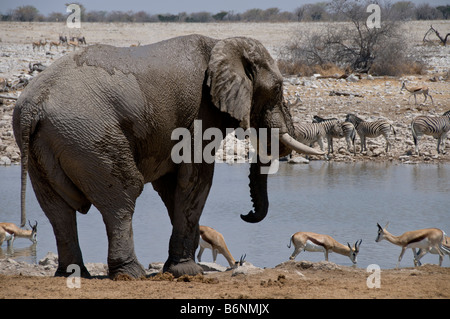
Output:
x=95 y=126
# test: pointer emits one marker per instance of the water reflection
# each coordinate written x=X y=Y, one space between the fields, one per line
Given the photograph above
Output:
x=27 y=254
x=344 y=200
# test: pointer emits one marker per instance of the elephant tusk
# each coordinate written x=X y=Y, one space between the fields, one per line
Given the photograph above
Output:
x=295 y=145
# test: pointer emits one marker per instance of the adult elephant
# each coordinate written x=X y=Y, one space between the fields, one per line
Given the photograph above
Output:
x=96 y=125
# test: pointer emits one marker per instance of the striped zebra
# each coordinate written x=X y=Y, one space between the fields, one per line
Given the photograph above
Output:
x=371 y=129
x=436 y=126
x=309 y=133
x=348 y=130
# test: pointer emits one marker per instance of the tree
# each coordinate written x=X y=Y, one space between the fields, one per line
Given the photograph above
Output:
x=26 y=13
x=300 y=13
x=404 y=10
x=96 y=16
x=202 y=16
x=353 y=46
x=56 y=17
x=142 y=16
x=426 y=12
x=167 y=18
x=252 y=15
x=219 y=16
x=445 y=11
x=313 y=11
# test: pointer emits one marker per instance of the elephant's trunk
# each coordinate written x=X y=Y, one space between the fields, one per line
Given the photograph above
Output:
x=258 y=193
x=258 y=180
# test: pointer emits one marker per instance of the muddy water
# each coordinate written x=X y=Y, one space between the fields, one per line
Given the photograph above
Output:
x=340 y=199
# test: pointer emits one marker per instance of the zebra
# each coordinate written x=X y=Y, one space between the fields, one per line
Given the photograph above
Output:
x=348 y=130
x=371 y=129
x=437 y=126
x=309 y=133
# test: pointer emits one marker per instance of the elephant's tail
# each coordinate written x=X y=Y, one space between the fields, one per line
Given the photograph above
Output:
x=25 y=119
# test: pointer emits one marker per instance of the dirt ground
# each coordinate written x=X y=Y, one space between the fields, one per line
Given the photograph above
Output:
x=291 y=280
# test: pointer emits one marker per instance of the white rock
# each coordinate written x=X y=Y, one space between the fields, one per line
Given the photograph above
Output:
x=246 y=269
x=298 y=160
x=4 y=160
x=352 y=78
x=51 y=259
x=208 y=266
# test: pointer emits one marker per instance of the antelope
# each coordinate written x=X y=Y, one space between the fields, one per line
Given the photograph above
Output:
x=38 y=44
x=446 y=250
x=4 y=235
x=43 y=43
x=62 y=39
x=322 y=243
x=54 y=44
x=17 y=232
x=212 y=239
x=425 y=239
x=72 y=44
x=81 y=40
x=417 y=90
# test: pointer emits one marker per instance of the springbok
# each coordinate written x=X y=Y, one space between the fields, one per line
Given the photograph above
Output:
x=212 y=239
x=73 y=44
x=322 y=243
x=16 y=232
x=425 y=239
x=63 y=39
x=445 y=250
x=54 y=44
x=4 y=235
x=417 y=90
x=39 y=44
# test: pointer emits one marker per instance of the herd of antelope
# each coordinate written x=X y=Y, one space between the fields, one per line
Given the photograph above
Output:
x=73 y=42
x=429 y=240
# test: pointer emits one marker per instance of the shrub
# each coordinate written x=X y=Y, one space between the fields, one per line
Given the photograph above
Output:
x=351 y=46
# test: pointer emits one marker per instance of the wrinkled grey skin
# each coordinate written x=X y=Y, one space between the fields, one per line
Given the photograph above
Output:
x=96 y=125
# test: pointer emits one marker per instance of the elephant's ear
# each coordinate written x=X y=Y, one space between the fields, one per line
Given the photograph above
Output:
x=230 y=77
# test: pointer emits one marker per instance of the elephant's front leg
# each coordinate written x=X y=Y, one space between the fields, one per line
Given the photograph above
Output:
x=192 y=188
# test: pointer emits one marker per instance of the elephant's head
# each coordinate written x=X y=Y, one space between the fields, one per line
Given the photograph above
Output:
x=245 y=82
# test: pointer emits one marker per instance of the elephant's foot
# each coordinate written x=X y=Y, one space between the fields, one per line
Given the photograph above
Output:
x=72 y=270
x=126 y=271
x=183 y=267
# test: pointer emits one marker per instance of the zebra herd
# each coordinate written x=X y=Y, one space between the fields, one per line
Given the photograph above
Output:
x=309 y=133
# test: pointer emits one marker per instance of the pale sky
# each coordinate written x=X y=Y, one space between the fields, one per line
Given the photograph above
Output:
x=170 y=6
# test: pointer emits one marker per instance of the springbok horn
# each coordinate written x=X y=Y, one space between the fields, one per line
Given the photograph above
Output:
x=242 y=259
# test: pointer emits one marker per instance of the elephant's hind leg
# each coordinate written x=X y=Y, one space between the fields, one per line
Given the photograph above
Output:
x=113 y=190
x=62 y=217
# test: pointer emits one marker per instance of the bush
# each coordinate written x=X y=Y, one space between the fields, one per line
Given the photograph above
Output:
x=353 y=47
